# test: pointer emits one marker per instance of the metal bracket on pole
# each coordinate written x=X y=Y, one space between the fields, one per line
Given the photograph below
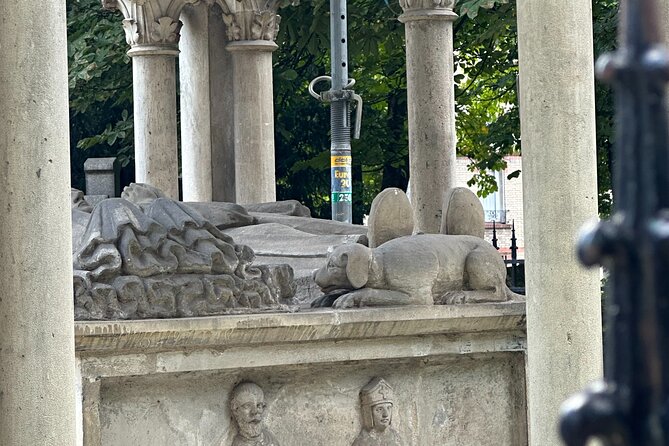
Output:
x=340 y=96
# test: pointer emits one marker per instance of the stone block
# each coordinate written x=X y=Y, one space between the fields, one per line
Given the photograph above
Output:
x=103 y=176
x=463 y=213
x=390 y=217
x=457 y=376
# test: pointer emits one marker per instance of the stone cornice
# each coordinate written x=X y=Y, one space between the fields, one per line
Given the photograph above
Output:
x=151 y=26
x=292 y=328
x=427 y=10
x=251 y=19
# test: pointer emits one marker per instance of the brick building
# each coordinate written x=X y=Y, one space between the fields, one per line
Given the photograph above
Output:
x=504 y=207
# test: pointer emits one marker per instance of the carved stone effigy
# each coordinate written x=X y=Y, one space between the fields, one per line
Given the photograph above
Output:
x=164 y=260
x=376 y=407
x=247 y=404
x=414 y=270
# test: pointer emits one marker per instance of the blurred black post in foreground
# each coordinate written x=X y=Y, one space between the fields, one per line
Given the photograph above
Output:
x=630 y=406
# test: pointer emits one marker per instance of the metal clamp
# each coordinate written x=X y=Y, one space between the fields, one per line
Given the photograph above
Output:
x=358 y=115
x=313 y=83
x=322 y=96
x=339 y=95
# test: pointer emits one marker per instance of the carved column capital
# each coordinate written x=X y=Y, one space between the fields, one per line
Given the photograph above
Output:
x=251 y=19
x=427 y=10
x=151 y=26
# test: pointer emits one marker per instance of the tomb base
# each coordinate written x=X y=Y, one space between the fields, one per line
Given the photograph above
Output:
x=458 y=374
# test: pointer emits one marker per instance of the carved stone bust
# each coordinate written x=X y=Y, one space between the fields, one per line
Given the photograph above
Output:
x=247 y=403
x=376 y=405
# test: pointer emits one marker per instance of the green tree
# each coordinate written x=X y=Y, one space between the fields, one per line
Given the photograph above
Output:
x=485 y=86
x=100 y=83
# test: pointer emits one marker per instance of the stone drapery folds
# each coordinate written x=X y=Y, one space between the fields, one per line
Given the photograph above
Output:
x=161 y=258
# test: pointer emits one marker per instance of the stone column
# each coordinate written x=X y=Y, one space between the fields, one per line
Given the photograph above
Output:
x=196 y=168
x=152 y=30
x=221 y=94
x=251 y=30
x=37 y=364
x=431 y=106
x=557 y=106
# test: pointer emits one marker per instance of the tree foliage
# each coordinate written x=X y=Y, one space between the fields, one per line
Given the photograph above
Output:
x=100 y=83
x=485 y=52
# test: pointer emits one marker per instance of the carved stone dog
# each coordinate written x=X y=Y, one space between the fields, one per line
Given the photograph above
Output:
x=414 y=270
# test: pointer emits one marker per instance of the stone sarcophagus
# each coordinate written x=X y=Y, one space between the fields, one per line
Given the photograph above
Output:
x=457 y=375
x=442 y=363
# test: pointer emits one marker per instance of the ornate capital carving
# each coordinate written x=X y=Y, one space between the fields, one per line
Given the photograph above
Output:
x=151 y=26
x=427 y=10
x=252 y=19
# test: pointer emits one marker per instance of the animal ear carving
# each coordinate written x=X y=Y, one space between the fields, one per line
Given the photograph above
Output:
x=357 y=265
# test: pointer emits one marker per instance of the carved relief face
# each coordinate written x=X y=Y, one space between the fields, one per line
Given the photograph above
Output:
x=248 y=410
x=382 y=414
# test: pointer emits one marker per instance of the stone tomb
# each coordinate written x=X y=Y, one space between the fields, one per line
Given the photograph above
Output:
x=457 y=375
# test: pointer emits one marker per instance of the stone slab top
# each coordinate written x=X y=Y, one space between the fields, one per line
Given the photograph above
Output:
x=100 y=164
x=307 y=326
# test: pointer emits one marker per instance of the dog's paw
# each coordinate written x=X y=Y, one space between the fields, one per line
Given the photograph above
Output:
x=451 y=298
x=327 y=300
x=345 y=301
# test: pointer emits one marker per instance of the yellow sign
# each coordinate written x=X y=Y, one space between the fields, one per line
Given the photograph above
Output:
x=340 y=161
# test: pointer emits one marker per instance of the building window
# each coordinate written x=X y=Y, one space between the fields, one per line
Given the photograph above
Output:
x=493 y=204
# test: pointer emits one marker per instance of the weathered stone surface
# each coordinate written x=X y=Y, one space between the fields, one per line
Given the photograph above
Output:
x=195 y=103
x=286 y=207
x=457 y=374
x=273 y=239
x=430 y=106
x=254 y=332
x=222 y=114
x=95 y=199
x=253 y=109
x=376 y=407
x=247 y=404
x=310 y=225
x=37 y=370
x=79 y=223
x=420 y=269
x=102 y=176
x=79 y=202
x=165 y=260
x=474 y=402
x=141 y=193
x=390 y=217
x=557 y=121
x=223 y=215
x=463 y=213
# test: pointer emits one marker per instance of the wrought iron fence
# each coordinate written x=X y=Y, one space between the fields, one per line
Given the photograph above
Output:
x=631 y=405
x=515 y=267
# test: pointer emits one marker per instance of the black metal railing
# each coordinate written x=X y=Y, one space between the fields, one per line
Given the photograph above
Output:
x=630 y=406
x=515 y=267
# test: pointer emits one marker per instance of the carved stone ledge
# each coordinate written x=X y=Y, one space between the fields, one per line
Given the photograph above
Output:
x=252 y=45
x=427 y=10
x=311 y=327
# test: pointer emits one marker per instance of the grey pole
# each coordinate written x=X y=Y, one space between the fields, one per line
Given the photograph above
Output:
x=340 y=98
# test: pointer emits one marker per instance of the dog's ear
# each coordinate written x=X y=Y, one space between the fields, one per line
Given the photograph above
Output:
x=357 y=264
